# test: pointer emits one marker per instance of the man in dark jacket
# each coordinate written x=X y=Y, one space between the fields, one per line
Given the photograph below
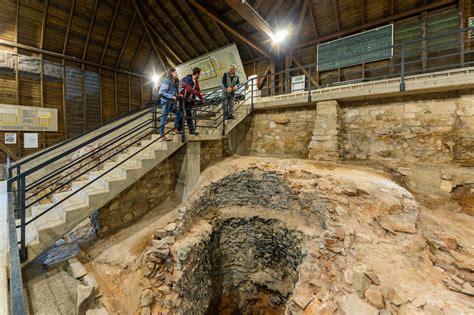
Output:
x=230 y=84
x=190 y=90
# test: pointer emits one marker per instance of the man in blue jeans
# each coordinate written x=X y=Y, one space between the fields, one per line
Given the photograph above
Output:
x=168 y=94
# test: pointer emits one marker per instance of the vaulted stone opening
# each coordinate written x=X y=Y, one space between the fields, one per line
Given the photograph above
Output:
x=243 y=266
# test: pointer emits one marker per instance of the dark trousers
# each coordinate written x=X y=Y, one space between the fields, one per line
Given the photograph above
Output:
x=188 y=113
x=228 y=104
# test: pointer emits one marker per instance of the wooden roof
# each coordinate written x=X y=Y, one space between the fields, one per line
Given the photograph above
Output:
x=113 y=33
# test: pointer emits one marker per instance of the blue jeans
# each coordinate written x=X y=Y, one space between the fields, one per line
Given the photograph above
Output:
x=165 y=109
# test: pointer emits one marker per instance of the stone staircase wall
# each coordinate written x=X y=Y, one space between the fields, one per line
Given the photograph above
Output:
x=151 y=190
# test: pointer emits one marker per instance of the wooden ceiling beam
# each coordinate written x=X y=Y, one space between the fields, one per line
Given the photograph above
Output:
x=68 y=28
x=150 y=38
x=172 y=44
x=189 y=45
x=201 y=24
x=109 y=33
x=124 y=44
x=172 y=54
x=313 y=19
x=302 y=15
x=230 y=28
x=44 y=23
x=89 y=32
x=336 y=14
x=362 y=11
x=378 y=22
x=187 y=24
x=274 y=8
x=251 y=16
x=137 y=51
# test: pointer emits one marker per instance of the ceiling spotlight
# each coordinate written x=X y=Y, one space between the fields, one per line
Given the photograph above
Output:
x=155 y=79
x=280 y=36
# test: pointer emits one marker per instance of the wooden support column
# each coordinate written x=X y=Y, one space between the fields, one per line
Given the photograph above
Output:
x=84 y=99
x=424 y=52
x=43 y=30
x=115 y=94
x=129 y=94
x=100 y=98
x=63 y=62
x=17 y=71
x=89 y=32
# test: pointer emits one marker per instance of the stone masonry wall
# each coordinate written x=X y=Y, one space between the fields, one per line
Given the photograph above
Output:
x=325 y=141
x=285 y=133
x=156 y=187
x=211 y=152
x=433 y=129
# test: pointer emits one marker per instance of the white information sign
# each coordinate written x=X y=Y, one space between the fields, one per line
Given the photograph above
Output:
x=30 y=140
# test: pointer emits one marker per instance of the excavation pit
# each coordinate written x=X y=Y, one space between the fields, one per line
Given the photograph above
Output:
x=240 y=266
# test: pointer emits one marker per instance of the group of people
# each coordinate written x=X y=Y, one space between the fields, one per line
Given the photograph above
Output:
x=180 y=101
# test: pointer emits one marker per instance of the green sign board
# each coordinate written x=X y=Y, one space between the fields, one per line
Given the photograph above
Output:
x=356 y=49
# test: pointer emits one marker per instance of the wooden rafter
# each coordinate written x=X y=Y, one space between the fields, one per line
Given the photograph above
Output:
x=313 y=19
x=168 y=47
x=200 y=23
x=392 y=7
x=219 y=28
x=44 y=23
x=150 y=38
x=270 y=14
x=250 y=16
x=336 y=14
x=125 y=41
x=68 y=29
x=166 y=14
x=362 y=11
x=230 y=28
x=109 y=33
x=302 y=15
x=172 y=46
x=378 y=22
x=137 y=51
x=148 y=59
x=89 y=32
x=293 y=7
x=187 y=24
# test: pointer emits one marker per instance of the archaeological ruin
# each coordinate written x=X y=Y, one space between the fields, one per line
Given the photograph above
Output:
x=237 y=157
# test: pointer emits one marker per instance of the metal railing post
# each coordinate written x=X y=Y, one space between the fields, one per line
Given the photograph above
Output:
x=309 y=84
x=251 y=94
x=183 y=120
x=21 y=207
x=154 y=118
x=402 y=68
x=223 y=121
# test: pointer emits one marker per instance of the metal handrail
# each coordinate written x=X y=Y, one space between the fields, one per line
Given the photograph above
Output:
x=57 y=145
x=17 y=298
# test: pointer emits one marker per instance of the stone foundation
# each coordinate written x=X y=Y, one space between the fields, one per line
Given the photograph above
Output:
x=285 y=133
x=324 y=144
x=156 y=187
x=211 y=152
x=431 y=129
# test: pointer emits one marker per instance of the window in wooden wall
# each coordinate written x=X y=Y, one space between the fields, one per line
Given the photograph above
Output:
x=74 y=102
x=92 y=89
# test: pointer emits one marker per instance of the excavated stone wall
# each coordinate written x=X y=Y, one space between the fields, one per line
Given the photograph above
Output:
x=156 y=187
x=431 y=129
x=211 y=152
x=285 y=133
x=246 y=265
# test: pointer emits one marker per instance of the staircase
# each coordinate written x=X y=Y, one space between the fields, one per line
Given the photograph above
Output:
x=69 y=208
x=55 y=189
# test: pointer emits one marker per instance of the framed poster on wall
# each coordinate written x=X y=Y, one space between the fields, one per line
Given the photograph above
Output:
x=10 y=138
